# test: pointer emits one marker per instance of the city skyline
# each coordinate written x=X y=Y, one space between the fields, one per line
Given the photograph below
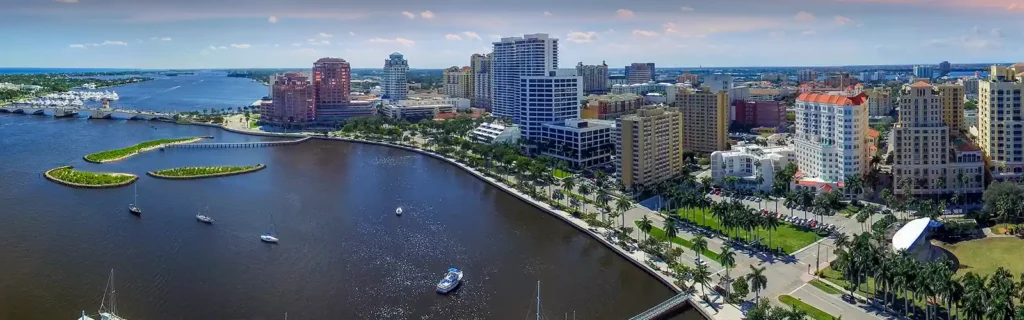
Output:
x=232 y=34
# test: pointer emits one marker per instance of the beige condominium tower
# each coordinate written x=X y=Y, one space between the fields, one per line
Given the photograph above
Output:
x=649 y=146
x=705 y=119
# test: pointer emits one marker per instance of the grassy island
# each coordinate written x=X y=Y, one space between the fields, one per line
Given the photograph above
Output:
x=204 y=172
x=68 y=176
x=119 y=154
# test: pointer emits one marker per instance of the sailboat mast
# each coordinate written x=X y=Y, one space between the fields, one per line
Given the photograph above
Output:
x=538 y=300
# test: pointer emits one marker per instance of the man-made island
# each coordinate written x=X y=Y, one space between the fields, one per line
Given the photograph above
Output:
x=120 y=154
x=203 y=172
x=66 y=175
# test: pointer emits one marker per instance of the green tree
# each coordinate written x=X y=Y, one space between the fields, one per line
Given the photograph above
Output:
x=758 y=281
x=728 y=259
x=700 y=244
x=739 y=290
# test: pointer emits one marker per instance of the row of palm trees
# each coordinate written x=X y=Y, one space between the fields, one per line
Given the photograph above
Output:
x=898 y=280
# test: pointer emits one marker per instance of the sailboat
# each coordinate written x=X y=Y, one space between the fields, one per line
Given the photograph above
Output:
x=108 y=306
x=270 y=237
x=398 y=211
x=134 y=209
x=204 y=218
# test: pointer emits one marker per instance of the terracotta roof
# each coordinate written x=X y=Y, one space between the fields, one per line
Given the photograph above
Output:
x=873 y=133
x=859 y=86
x=827 y=188
x=920 y=84
x=833 y=99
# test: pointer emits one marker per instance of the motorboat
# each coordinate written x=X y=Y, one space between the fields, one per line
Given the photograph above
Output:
x=450 y=281
x=398 y=211
x=268 y=238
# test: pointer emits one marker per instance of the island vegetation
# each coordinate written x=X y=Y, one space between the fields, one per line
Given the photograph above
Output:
x=118 y=154
x=204 y=172
x=68 y=176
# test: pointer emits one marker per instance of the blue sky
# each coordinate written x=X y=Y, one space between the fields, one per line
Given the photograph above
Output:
x=437 y=34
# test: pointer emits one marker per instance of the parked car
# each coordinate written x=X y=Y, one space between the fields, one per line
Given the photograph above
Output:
x=849 y=299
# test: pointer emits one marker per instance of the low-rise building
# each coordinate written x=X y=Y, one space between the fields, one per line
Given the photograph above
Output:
x=748 y=162
x=611 y=106
x=493 y=132
x=583 y=143
x=668 y=89
x=416 y=112
x=648 y=146
x=970 y=118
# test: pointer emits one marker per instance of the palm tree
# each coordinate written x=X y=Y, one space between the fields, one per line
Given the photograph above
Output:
x=702 y=275
x=699 y=245
x=558 y=196
x=728 y=259
x=771 y=223
x=568 y=184
x=758 y=281
x=670 y=230
x=645 y=225
x=584 y=191
x=856 y=185
x=623 y=205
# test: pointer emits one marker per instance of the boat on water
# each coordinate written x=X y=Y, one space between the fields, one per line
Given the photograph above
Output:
x=270 y=237
x=132 y=207
x=450 y=281
x=398 y=211
x=204 y=218
x=108 y=306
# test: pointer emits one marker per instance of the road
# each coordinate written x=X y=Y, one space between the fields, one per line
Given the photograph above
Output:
x=835 y=305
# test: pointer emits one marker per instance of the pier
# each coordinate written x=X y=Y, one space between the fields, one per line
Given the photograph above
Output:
x=664 y=308
x=258 y=144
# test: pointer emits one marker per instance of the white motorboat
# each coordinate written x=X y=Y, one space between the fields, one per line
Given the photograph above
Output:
x=450 y=281
x=398 y=211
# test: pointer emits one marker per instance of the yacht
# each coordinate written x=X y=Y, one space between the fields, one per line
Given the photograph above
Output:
x=134 y=209
x=398 y=211
x=450 y=281
x=108 y=306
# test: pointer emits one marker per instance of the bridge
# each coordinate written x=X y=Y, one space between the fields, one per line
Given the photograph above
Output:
x=664 y=307
x=91 y=113
x=258 y=144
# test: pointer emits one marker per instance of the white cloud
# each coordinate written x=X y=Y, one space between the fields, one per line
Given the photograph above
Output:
x=112 y=43
x=809 y=33
x=547 y=14
x=777 y=33
x=644 y=33
x=351 y=33
x=610 y=31
x=77 y=46
x=318 y=42
x=409 y=15
x=276 y=45
x=215 y=48
x=67 y=1
x=452 y=36
x=165 y=39
x=804 y=16
x=401 y=41
x=624 y=13
x=241 y=46
x=997 y=32
x=841 y=20
x=581 y=37
x=669 y=27
x=325 y=35
x=471 y=35
x=686 y=9
x=272 y=19
x=427 y=14
x=966 y=43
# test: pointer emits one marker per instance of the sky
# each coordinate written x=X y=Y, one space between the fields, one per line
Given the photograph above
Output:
x=161 y=34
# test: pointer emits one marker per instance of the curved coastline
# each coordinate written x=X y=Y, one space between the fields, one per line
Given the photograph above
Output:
x=193 y=140
x=564 y=216
x=89 y=186
x=155 y=174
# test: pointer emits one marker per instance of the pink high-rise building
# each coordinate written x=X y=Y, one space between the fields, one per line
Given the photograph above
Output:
x=293 y=101
x=332 y=80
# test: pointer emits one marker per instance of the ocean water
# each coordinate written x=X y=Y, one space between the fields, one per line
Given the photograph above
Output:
x=198 y=92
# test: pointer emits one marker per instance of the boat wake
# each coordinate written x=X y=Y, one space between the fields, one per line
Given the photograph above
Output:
x=172 y=88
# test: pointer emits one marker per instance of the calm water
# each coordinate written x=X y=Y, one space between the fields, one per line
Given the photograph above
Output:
x=198 y=92
x=343 y=252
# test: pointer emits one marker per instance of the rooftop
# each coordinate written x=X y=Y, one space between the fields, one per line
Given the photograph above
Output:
x=905 y=238
x=833 y=99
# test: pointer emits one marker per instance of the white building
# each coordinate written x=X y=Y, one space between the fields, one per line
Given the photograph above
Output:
x=717 y=82
x=533 y=55
x=492 y=132
x=545 y=99
x=416 y=112
x=970 y=118
x=747 y=162
x=830 y=139
x=395 y=82
x=667 y=89
x=459 y=103
x=582 y=143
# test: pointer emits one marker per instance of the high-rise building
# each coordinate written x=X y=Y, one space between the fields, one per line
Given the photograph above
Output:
x=831 y=139
x=944 y=69
x=611 y=106
x=458 y=82
x=924 y=72
x=582 y=143
x=293 y=101
x=999 y=121
x=514 y=57
x=544 y=99
x=595 y=77
x=705 y=119
x=481 y=68
x=923 y=163
x=717 y=82
x=759 y=113
x=395 y=82
x=806 y=75
x=970 y=87
x=332 y=82
x=648 y=146
x=688 y=78
x=879 y=102
x=639 y=73
x=951 y=96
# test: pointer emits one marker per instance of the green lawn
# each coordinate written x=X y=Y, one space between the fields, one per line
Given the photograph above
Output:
x=560 y=174
x=984 y=256
x=812 y=312
x=824 y=287
x=659 y=233
x=787 y=236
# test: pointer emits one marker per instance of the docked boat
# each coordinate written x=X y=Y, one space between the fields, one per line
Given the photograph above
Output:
x=398 y=211
x=134 y=209
x=450 y=281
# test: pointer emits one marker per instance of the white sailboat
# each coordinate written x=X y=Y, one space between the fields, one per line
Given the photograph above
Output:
x=270 y=237
x=132 y=207
x=108 y=306
x=398 y=211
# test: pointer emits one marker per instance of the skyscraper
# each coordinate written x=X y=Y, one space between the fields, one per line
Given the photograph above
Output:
x=395 y=82
x=944 y=69
x=458 y=82
x=999 y=121
x=831 y=139
x=595 y=77
x=640 y=72
x=705 y=119
x=531 y=55
x=481 y=69
x=331 y=87
x=806 y=75
x=924 y=72
x=545 y=99
x=293 y=101
x=649 y=146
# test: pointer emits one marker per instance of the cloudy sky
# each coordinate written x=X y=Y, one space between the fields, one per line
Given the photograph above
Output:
x=437 y=34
